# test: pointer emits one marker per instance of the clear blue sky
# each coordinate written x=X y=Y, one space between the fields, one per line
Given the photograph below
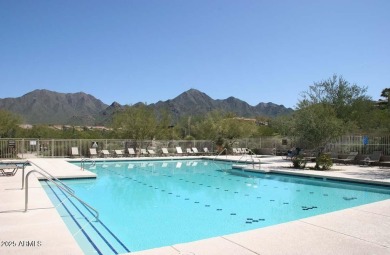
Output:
x=130 y=51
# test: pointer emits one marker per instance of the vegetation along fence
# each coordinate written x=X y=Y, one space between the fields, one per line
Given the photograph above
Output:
x=24 y=148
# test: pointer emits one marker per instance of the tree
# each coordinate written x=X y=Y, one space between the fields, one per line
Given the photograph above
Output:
x=328 y=109
x=315 y=125
x=385 y=103
x=165 y=129
x=207 y=127
x=136 y=122
x=282 y=124
x=9 y=124
x=337 y=93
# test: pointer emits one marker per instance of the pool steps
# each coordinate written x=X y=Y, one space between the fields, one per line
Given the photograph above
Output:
x=78 y=216
x=97 y=238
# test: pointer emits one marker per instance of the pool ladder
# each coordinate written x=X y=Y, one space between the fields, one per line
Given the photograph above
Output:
x=225 y=149
x=85 y=160
x=62 y=186
x=250 y=153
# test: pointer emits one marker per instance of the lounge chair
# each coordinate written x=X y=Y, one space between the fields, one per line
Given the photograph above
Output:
x=289 y=155
x=350 y=158
x=92 y=152
x=12 y=169
x=384 y=163
x=244 y=150
x=189 y=151
x=179 y=151
x=106 y=153
x=75 y=152
x=206 y=150
x=144 y=152
x=131 y=152
x=118 y=153
x=151 y=152
x=195 y=150
x=374 y=158
x=165 y=151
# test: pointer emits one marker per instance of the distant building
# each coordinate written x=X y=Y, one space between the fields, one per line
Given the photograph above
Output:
x=256 y=121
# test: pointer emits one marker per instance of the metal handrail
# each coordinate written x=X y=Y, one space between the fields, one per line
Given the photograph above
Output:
x=52 y=177
x=225 y=149
x=58 y=186
x=251 y=155
x=85 y=160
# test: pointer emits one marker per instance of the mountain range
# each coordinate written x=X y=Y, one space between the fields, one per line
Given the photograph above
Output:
x=49 y=107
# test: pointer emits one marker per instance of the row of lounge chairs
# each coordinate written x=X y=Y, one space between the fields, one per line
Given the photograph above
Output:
x=142 y=152
x=240 y=150
x=352 y=158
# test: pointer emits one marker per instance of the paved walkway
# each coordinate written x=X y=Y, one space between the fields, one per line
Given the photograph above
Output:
x=359 y=230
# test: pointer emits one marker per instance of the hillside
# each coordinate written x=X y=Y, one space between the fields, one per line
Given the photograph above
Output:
x=49 y=107
x=194 y=102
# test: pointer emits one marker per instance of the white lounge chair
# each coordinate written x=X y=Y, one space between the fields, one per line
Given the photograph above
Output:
x=131 y=151
x=151 y=152
x=92 y=152
x=165 y=151
x=195 y=150
x=106 y=153
x=189 y=151
x=144 y=152
x=206 y=150
x=75 y=152
x=118 y=153
x=179 y=151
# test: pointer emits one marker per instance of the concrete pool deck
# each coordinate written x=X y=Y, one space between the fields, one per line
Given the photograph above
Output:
x=359 y=230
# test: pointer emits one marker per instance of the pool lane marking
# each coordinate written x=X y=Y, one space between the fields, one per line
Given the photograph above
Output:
x=77 y=223
x=187 y=181
x=218 y=188
x=89 y=222
x=112 y=234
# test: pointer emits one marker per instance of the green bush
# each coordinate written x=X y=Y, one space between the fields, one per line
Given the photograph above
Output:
x=299 y=162
x=323 y=162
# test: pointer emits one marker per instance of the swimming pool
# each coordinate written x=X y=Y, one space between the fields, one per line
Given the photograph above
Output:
x=148 y=204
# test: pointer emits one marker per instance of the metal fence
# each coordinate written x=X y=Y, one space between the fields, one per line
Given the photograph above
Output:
x=363 y=144
x=23 y=148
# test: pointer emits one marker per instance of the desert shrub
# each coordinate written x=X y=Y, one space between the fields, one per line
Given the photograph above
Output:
x=299 y=162
x=323 y=162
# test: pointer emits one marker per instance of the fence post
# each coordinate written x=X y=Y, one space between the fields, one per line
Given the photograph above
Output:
x=22 y=148
x=38 y=148
x=52 y=148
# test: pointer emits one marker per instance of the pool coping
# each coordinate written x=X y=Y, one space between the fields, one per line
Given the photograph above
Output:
x=358 y=230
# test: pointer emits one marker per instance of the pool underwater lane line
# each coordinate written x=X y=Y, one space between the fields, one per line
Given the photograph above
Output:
x=138 y=180
x=112 y=234
x=82 y=230
x=304 y=207
x=98 y=232
x=247 y=220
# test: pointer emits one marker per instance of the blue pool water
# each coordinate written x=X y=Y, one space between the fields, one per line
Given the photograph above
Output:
x=144 y=205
